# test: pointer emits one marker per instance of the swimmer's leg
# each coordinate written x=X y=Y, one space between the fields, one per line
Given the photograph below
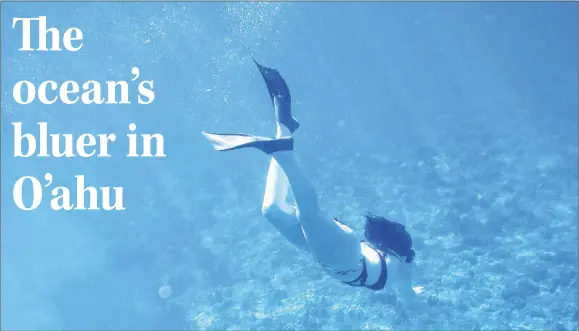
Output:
x=276 y=208
x=335 y=246
x=331 y=244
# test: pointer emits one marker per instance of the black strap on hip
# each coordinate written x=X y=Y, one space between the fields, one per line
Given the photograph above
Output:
x=361 y=280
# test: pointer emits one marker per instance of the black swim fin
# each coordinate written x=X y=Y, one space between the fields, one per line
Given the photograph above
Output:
x=232 y=141
x=280 y=96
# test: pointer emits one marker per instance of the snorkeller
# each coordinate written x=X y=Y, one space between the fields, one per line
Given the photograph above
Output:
x=384 y=258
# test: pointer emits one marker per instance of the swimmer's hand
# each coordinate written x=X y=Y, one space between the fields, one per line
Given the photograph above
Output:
x=410 y=294
x=418 y=289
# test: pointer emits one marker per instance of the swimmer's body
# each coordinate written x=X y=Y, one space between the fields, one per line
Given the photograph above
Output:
x=371 y=264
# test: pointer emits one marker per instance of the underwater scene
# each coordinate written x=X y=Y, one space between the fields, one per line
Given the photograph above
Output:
x=289 y=165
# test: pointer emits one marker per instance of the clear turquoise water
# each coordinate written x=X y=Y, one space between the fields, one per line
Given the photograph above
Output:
x=458 y=119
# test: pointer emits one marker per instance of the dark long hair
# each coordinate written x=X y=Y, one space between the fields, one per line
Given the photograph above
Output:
x=388 y=235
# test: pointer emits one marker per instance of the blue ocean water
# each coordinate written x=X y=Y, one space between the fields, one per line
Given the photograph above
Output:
x=457 y=119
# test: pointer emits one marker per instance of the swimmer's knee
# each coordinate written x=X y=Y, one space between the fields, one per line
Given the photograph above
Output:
x=271 y=211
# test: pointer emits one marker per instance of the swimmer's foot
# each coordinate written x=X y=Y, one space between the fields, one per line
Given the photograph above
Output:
x=280 y=96
x=228 y=142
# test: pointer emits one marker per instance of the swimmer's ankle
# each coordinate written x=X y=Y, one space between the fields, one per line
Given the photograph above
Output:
x=282 y=131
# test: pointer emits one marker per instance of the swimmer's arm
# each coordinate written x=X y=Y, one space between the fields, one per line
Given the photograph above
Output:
x=405 y=288
x=405 y=282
